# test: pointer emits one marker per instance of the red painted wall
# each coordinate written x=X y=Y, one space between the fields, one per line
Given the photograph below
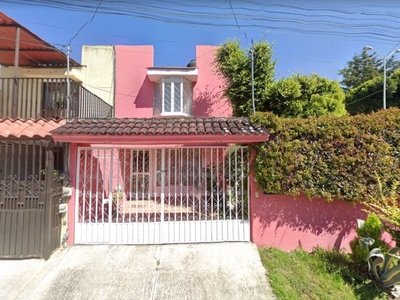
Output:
x=133 y=89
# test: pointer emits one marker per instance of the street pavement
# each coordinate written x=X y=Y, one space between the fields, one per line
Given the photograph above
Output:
x=219 y=271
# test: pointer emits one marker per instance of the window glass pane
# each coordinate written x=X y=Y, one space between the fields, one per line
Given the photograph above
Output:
x=167 y=97
x=157 y=106
x=177 y=95
x=187 y=97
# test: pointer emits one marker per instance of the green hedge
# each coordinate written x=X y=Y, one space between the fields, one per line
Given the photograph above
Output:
x=329 y=157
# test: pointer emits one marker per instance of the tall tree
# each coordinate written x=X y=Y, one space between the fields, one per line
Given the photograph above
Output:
x=361 y=68
x=365 y=66
x=296 y=96
x=234 y=64
x=305 y=96
x=367 y=97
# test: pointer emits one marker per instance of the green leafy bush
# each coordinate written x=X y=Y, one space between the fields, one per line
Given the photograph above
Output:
x=369 y=236
x=329 y=157
x=387 y=208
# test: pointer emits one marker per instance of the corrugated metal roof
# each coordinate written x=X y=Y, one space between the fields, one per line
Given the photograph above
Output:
x=30 y=128
x=33 y=51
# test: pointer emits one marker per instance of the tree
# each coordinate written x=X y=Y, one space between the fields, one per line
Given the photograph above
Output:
x=306 y=95
x=361 y=68
x=296 y=96
x=234 y=64
x=364 y=67
x=367 y=97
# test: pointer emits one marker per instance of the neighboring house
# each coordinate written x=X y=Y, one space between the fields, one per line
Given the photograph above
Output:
x=172 y=167
x=34 y=101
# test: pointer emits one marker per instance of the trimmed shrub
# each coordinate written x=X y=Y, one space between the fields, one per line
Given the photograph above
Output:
x=329 y=157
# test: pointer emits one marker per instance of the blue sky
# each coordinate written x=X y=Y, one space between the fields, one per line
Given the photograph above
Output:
x=307 y=36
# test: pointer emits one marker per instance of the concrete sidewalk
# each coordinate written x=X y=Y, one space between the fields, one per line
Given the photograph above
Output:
x=186 y=271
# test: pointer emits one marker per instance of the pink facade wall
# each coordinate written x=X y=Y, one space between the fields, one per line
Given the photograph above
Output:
x=134 y=92
x=133 y=89
x=208 y=100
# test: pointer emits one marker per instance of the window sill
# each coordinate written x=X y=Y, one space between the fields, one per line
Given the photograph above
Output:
x=174 y=114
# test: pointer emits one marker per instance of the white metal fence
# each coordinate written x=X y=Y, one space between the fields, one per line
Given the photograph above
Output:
x=168 y=195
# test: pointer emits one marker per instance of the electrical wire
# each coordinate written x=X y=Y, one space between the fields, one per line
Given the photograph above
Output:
x=237 y=23
x=91 y=20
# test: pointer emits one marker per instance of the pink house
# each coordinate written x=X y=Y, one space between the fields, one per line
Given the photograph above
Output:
x=171 y=167
x=174 y=167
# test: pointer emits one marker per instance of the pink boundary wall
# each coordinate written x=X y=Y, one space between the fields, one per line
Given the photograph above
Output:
x=287 y=222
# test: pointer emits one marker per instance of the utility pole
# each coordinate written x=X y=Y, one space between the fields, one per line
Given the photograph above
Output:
x=67 y=115
x=384 y=60
x=252 y=79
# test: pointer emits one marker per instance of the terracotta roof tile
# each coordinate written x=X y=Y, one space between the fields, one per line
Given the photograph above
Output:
x=165 y=126
x=30 y=128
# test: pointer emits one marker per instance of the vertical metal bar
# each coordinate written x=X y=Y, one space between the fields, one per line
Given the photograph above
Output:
x=102 y=160
x=78 y=186
x=67 y=115
x=162 y=184
x=84 y=192
x=35 y=106
x=91 y=176
x=205 y=196
x=97 y=198
x=224 y=185
x=18 y=171
x=122 y=164
x=110 y=152
x=16 y=66
x=200 y=194
x=47 y=249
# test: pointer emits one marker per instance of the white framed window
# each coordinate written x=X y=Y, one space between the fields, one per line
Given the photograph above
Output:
x=173 y=96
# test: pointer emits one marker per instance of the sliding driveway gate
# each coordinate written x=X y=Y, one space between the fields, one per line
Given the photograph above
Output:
x=168 y=195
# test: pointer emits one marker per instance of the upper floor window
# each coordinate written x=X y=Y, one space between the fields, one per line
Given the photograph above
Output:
x=173 y=90
x=173 y=96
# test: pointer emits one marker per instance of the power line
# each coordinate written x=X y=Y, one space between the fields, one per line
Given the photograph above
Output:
x=237 y=23
x=303 y=16
x=91 y=20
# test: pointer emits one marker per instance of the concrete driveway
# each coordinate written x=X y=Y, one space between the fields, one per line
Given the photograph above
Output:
x=188 y=271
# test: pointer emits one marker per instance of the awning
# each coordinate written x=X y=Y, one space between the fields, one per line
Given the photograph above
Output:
x=33 y=51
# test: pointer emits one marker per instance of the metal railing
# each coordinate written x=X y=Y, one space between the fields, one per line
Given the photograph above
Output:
x=47 y=98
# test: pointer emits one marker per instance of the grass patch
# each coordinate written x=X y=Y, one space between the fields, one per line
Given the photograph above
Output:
x=318 y=275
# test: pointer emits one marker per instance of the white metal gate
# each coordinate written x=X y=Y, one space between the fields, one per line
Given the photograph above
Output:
x=167 y=195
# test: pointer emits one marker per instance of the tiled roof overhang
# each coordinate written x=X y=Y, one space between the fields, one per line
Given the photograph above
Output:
x=161 y=131
x=30 y=128
x=33 y=51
